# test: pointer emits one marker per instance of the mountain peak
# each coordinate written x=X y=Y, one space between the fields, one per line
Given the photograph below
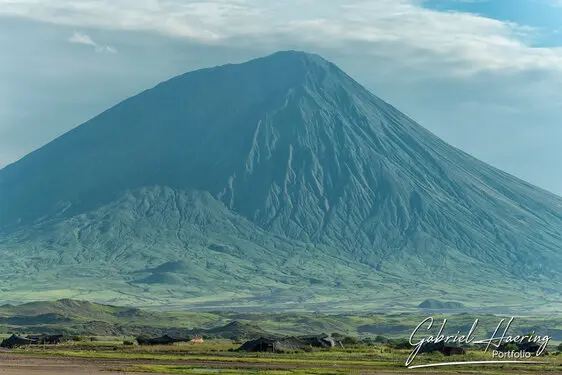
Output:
x=293 y=57
x=272 y=75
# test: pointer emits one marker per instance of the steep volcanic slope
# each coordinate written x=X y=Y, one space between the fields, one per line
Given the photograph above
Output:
x=298 y=153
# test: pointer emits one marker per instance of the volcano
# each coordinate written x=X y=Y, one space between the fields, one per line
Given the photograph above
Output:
x=276 y=182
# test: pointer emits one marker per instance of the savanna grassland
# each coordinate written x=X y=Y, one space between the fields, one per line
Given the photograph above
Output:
x=102 y=338
x=218 y=356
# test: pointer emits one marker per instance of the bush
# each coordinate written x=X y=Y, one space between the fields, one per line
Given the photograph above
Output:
x=381 y=339
x=511 y=347
x=127 y=342
x=401 y=344
x=368 y=341
x=348 y=340
x=559 y=348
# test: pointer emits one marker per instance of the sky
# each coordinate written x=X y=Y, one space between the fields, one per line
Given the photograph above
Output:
x=483 y=75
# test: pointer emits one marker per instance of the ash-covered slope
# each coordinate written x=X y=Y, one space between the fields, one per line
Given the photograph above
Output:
x=297 y=150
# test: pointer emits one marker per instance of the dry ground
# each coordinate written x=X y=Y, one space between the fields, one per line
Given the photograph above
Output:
x=23 y=364
x=17 y=364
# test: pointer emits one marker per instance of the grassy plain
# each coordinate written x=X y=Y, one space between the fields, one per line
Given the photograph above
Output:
x=217 y=356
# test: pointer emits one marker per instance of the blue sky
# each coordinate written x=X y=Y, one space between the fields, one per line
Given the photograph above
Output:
x=483 y=75
x=545 y=16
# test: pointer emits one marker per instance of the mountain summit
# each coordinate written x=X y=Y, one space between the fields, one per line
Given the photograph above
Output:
x=278 y=179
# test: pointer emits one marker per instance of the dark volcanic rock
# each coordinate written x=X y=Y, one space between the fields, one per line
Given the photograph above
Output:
x=439 y=305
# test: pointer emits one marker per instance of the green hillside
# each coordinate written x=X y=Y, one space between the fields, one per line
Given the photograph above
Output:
x=92 y=319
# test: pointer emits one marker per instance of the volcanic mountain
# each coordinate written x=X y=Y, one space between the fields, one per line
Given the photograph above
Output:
x=273 y=182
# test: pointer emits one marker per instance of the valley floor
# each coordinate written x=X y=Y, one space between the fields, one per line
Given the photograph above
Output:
x=182 y=360
x=17 y=364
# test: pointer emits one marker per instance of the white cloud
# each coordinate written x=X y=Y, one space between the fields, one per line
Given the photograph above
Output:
x=466 y=43
x=85 y=39
x=82 y=39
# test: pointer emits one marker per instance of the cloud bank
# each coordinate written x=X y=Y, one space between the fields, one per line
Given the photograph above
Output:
x=468 y=43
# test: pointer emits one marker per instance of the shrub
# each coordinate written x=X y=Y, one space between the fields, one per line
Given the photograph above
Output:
x=348 y=340
x=127 y=342
x=401 y=344
x=368 y=341
x=381 y=339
